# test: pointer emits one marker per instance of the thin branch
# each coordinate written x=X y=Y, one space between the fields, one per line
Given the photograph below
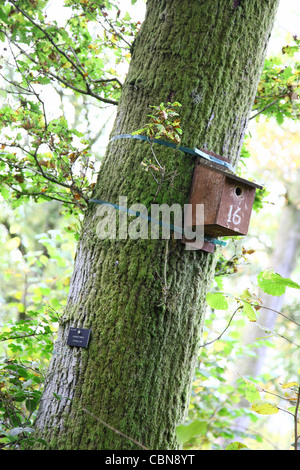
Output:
x=30 y=87
x=220 y=336
x=115 y=430
x=14 y=92
x=254 y=431
x=13 y=83
x=78 y=61
x=77 y=66
x=50 y=39
x=276 y=395
x=266 y=107
x=95 y=80
x=112 y=27
x=88 y=92
x=269 y=308
x=106 y=80
x=72 y=187
x=296 y=420
x=22 y=336
x=116 y=32
x=267 y=330
x=153 y=153
x=42 y=173
x=40 y=194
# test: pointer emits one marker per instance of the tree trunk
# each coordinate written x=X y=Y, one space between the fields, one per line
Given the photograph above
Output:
x=144 y=300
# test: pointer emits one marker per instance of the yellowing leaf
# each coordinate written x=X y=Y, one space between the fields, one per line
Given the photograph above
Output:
x=114 y=39
x=264 y=407
x=21 y=307
x=236 y=446
x=291 y=398
x=18 y=295
x=289 y=385
x=219 y=346
x=13 y=243
x=44 y=260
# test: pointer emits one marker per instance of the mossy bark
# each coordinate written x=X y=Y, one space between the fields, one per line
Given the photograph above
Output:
x=144 y=300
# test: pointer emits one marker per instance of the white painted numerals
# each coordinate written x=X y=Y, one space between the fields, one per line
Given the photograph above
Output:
x=234 y=216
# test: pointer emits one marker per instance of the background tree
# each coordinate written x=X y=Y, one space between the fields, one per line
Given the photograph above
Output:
x=146 y=325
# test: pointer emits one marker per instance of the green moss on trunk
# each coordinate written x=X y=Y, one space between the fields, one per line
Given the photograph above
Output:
x=136 y=374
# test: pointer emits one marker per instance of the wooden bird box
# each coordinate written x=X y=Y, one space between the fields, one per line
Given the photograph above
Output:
x=227 y=199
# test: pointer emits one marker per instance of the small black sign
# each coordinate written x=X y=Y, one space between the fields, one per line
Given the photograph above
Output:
x=78 y=337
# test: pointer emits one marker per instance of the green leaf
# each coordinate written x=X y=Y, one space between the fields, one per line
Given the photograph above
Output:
x=264 y=407
x=217 y=301
x=3 y=16
x=42 y=441
x=252 y=394
x=272 y=283
x=236 y=446
x=279 y=118
x=18 y=430
x=20 y=396
x=31 y=404
x=251 y=391
x=250 y=312
x=195 y=428
x=4 y=192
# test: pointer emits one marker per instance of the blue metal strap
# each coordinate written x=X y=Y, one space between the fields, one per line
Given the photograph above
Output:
x=195 y=152
x=138 y=214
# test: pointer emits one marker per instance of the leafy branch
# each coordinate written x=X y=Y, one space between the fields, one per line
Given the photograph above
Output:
x=21 y=381
x=164 y=122
x=279 y=88
x=68 y=55
x=62 y=173
x=42 y=159
x=271 y=283
x=262 y=406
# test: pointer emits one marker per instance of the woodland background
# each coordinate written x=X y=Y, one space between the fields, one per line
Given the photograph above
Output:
x=238 y=363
